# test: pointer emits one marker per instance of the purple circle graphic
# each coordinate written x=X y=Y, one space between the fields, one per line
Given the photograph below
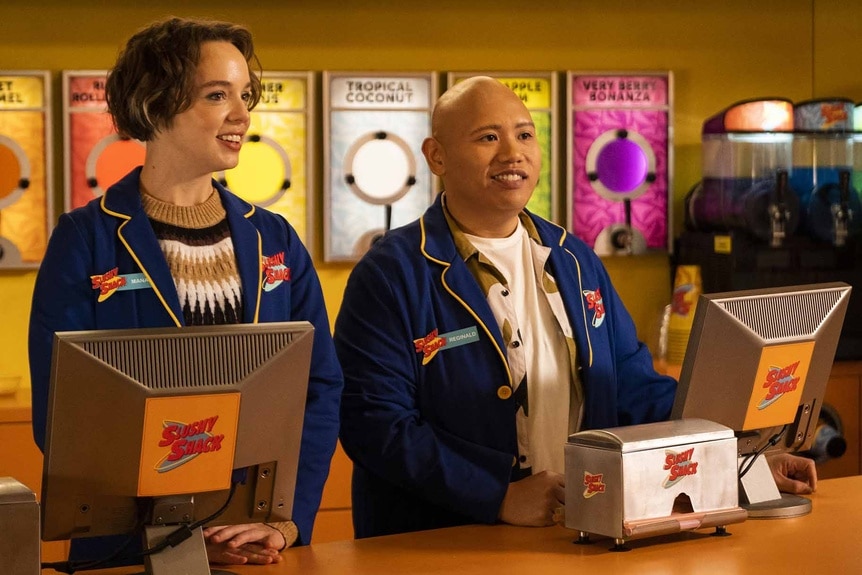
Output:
x=621 y=165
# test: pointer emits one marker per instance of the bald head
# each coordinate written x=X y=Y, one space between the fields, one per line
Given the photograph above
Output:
x=462 y=101
x=483 y=146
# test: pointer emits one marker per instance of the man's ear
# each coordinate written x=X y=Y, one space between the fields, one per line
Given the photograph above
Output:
x=433 y=152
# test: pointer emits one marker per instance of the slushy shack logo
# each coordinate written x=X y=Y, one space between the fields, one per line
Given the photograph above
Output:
x=596 y=304
x=779 y=380
x=678 y=465
x=107 y=283
x=274 y=271
x=594 y=483
x=185 y=441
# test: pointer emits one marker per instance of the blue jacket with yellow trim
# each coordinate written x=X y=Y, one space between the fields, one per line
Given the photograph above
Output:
x=433 y=445
x=114 y=232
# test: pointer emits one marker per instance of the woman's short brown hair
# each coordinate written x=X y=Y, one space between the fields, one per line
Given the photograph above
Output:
x=153 y=78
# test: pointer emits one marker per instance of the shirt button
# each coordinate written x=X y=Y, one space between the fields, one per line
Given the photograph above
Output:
x=504 y=392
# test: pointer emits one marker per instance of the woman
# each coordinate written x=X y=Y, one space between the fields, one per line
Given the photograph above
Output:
x=185 y=88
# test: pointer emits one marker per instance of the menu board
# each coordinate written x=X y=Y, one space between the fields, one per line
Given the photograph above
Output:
x=620 y=149
x=275 y=163
x=375 y=175
x=25 y=167
x=95 y=155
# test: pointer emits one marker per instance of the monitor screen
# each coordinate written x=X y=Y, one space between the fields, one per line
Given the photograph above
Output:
x=758 y=362
x=140 y=417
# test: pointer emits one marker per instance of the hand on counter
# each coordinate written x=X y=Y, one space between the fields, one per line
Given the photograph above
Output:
x=533 y=500
x=254 y=543
x=792 y=473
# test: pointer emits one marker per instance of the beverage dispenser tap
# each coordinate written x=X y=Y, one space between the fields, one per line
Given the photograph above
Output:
x=841 y=212
x=621 y=239
x=778 y=212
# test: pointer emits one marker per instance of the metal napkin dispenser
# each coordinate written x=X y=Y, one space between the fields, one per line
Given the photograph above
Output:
x=19 y=529
x=652 y=479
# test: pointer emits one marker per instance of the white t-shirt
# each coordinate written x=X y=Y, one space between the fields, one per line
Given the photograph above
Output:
x=538 y=349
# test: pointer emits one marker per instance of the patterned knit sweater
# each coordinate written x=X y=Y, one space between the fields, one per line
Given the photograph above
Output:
x=196 y=243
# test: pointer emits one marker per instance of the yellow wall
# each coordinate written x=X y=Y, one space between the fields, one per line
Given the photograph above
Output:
x=719 y=52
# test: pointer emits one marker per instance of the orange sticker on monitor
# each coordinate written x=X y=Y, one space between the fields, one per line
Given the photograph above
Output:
x=188 y=444
x=778 y=386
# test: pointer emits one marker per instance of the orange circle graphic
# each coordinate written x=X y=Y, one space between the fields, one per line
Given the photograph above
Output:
x=10 y=171
x=117 y=160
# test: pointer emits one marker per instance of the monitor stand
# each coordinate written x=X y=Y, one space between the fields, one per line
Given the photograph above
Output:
x=188 y=557
x=759 y=495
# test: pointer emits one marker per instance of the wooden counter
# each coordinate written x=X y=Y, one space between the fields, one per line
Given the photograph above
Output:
x=821 y=542
x=20 y=458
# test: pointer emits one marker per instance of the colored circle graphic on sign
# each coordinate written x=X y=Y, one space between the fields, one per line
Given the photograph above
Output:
x=14 y=171
x=263 y=173
x=380 y=168
x=110 y=159
x=10 y=172
x=620 y=165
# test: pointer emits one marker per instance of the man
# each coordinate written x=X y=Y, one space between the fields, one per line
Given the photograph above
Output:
x=476 y=339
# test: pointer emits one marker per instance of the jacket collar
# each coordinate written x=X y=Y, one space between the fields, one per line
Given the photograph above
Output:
x=438 y=244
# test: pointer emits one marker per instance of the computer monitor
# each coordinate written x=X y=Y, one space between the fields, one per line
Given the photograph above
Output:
x=148 y=429
x=758 y=362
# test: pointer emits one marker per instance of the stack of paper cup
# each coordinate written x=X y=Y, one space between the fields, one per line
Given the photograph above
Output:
x=686 y=289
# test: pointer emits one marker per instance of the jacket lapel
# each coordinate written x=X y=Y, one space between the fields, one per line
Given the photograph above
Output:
x=437 y=247
x=566 y=271
x=123 y=201
x=247 y=245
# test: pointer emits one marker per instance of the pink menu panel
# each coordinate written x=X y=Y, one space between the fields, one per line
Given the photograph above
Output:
x=620 y=144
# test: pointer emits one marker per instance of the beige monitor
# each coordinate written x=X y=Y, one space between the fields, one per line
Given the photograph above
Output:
x=758 y=362
x=151 y=429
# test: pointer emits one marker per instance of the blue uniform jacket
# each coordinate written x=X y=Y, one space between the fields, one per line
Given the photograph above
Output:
x=113 y=232
x=430 y=426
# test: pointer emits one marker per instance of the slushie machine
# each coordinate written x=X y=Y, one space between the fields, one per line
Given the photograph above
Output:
x=779 y=202
x=747 y=159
